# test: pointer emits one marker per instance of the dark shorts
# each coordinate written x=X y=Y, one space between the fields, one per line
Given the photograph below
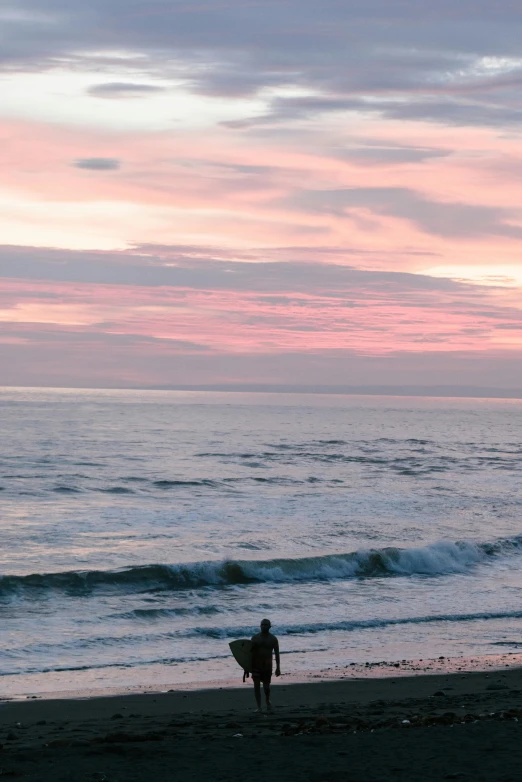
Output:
x=263 y=675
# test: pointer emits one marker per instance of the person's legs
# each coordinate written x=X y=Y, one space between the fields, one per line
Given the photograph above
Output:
x=257 y=691
x=266 y=687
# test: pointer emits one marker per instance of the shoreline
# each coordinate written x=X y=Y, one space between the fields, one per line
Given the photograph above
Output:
x=441 y=665
x=356 y=688
x=427 y=726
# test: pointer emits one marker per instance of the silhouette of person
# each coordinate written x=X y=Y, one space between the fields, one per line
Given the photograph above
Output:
x=263 y=645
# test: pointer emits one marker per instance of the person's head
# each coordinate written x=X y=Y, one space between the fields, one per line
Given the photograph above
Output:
x=265 y=625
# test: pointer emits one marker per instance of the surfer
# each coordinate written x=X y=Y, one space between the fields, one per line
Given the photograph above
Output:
x=263 y=645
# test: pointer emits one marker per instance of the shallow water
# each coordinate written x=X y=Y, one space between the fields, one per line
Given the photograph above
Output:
x=143 y=530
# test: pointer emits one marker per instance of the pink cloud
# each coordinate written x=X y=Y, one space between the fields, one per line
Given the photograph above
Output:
x=367 y=319
x=171 y=187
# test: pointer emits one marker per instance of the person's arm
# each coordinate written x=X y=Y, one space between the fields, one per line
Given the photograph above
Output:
x=276 y=652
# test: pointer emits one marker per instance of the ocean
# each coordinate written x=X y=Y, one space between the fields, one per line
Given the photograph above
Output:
x=143 y=530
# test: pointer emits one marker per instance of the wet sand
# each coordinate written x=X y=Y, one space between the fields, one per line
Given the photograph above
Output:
x=462 y=725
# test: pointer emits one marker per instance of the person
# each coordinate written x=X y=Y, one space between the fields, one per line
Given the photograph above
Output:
x=263 y=645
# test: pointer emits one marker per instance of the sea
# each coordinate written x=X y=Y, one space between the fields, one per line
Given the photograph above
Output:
x=141 y=531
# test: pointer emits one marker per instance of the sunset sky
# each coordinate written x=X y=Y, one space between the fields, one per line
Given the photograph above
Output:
x=303 y=192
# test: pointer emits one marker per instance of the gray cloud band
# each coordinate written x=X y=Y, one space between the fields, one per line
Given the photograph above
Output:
x=179 y=269
x=439 y=218
x=446 y=61
x=123 y=90
x=98 y=163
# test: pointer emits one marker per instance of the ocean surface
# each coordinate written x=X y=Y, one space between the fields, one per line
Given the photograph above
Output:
x=141 y=531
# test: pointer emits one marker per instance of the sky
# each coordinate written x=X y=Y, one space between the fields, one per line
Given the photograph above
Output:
x=302 y=192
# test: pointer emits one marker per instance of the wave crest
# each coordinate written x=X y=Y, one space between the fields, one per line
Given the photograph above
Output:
x=437 y=559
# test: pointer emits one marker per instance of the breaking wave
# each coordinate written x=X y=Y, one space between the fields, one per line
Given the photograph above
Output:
x=437 y=559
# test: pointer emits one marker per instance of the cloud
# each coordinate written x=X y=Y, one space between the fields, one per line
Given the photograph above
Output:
x=230 y=305
x=453 y=112
x=390 y=155
x=414 y=104
x=51 y=334
x=378 y=50
x=447 y=219
x=123 y=90
x=176 y=310
x=98 y=163
x=180 y=268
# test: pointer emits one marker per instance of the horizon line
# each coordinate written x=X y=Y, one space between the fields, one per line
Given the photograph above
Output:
x=440 y=391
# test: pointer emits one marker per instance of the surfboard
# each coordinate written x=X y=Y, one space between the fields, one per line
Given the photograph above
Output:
x=242 y=651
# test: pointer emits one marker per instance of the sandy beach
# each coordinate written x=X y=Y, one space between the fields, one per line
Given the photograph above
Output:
x=452 y=725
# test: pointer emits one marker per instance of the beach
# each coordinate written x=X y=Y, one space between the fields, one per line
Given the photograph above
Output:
x=452 y=725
